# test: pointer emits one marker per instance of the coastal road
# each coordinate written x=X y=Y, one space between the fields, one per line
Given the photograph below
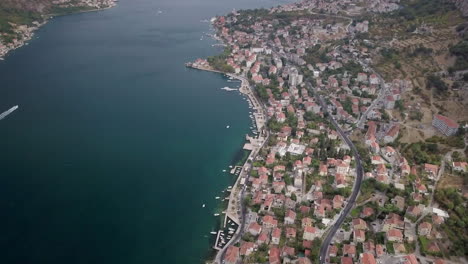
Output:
x=357 y=186
x=243 y=210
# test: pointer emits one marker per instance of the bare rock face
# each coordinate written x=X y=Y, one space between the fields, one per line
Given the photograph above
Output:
x=462 y=5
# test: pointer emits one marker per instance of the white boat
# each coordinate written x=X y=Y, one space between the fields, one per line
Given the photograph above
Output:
x=228 y=89
x=203 y=206
x=224 y=170
x=7 y=112
x=216 y=214
x=227 y=126
x=217 y=197
x=213 y=233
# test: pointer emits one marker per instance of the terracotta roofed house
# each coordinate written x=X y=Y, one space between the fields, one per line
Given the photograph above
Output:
x=367 y=258
x=411 y=259
x=445 y=125
x=394 y=235
x=274 y=256
x=247 y=248
x=232 y=255
x=346 y=260
x=275 y=236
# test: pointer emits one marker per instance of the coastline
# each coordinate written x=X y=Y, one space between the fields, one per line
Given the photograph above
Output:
x=31 y=33
x=235 y=210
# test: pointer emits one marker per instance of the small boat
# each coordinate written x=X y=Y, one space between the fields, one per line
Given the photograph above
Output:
x=216 y=214
x=217 y=197
x=227 y=126
x=224 y=170
x=203 y=206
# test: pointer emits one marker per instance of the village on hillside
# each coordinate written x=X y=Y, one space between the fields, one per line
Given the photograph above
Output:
x=313 y=72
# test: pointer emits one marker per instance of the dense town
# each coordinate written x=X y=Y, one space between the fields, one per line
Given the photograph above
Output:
x=329 y=120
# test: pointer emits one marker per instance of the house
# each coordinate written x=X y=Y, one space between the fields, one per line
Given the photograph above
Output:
x=340 y=181
x=367 y=212
x=414 y=211
x=269 y=222
x=399 y=248
x=373 y=79
x=319 y=211
x=394 y=235
x=388 y=152
x=431 y=169
x=247 y=248
x=389 y=102
x=410 y=259
x=310 y=233
x=377 y=160
x=369 y=247
x=306 y=221
x=332 y=251
x=360 y=224
x=367 y=258
x=460 y=166
x=274 y=256
x=392 y=134
x=379 y=250
x=362 y=77
x=392 y=221
x=290 y=217
x=263 y=238
x=287 y=251
x=303 y=261
x=338 y=201
x=275 y=236
x=278 y=186
x=304 y=209
x=323 y=170
x=347 y=260
x=445 y=125
x=399 y=202
x=420 y=188
x=349 y=250
x=437 y=220
x=290 y=232
x=255 y=228
x=433 y=247
x=342 y=168
x=405 y=169
x=232 y=255
x=424 y=229
x=359 y=236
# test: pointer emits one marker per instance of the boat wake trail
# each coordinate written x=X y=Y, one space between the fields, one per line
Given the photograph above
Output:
x=7 y=112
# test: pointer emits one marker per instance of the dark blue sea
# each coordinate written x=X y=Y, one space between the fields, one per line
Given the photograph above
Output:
x=116 y=145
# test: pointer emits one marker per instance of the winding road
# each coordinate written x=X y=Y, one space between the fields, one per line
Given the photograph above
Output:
x=357 y=186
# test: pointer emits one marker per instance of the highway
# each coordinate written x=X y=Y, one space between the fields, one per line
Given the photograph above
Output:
x=357 y=186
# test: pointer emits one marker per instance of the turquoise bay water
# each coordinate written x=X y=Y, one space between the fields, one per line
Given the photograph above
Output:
x=116 y=145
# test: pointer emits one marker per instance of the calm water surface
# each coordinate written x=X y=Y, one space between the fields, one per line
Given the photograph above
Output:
x=116 y=145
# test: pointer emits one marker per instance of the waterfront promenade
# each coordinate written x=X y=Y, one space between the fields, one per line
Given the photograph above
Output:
x=235 y=209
